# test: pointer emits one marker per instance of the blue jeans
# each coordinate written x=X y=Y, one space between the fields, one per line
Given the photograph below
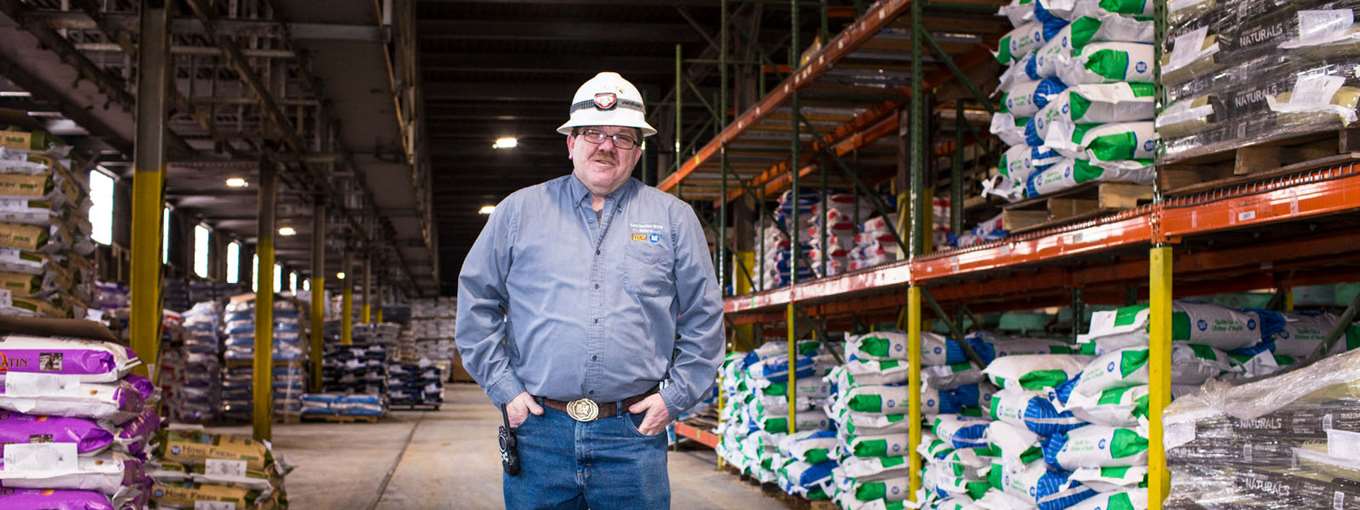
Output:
x=600 y=465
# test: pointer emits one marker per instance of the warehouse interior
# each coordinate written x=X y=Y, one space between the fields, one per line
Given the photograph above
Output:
x=949 y=216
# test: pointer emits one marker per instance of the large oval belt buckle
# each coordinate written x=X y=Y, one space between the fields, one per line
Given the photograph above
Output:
x=583 y=409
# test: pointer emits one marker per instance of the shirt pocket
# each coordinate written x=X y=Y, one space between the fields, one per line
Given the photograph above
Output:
x=647 y=270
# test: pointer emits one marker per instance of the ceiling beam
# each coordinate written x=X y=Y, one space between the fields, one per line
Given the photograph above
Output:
x=537 y=62
x=557 y=30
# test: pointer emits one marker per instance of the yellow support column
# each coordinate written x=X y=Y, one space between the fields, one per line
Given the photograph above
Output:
x=347 y=303
x=148 y=179
x=1159 y=372
x=913 y=389
x=262 y=406
x=367 y=313
x=379 y=320
x=792 y=380
x=318 y=315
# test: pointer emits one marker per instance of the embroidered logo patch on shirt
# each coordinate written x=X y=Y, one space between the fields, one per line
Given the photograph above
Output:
x=646 y=232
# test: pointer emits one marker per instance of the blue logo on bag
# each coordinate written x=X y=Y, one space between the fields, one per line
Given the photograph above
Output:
x=1100 y=445
x=937 y=350
x=1066 y=108
x=897 y=448
x=1110 y=367
x=1251 y=323
x=1141 y=67
x=1203 y=325
x=1284 y=334
x=1149 y=145
x=654 y=238
x=892 y=403
x=1039 y=37
x=930 y=403
x=898 y=347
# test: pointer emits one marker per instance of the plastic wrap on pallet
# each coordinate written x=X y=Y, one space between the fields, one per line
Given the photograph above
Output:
x=1242 y=73
x=1287 y=441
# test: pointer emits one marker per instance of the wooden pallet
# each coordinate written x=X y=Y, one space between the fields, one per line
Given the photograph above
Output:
x=775 y=492
x=1069 y=206
x=331 y=418
x=1239 y=165
x=414 y=407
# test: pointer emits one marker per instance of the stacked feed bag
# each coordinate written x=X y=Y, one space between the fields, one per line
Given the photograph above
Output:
x=842 y=224
x=340 y=404
x=175 y=294
x=792 y=214
x=1286 y=441
x=74 y=422
x=46 y=264
x=869 y=407
x=1077 y=103
x=197 y=469
x=775 y=245
x=289 y=354
x=197 y=395
x=354 y=369
x=415 y=384
x=385 y=333
x=1243 y=72
x=1290 y=338
x=986 y=231
x=432 y=325
x=874 y=244
x=1226 y=339
x=754 y=418
x=809 y=459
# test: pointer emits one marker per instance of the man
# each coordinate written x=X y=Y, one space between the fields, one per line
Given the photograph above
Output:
x=589 y=308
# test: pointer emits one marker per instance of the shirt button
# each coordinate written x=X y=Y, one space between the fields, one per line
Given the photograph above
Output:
x=592 y=392
x=597 y=285
x=597 y=252
x=595 y=358
x=597 y=321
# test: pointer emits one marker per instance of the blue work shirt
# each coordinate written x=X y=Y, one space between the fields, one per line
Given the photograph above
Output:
x=557 y=302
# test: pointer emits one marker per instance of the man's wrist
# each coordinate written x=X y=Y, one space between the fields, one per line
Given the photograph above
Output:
x=673 y=397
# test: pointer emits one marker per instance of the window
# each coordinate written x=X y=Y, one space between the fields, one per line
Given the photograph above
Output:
x=234 y=262
x=101 y=206
x=255 y=274
x=202 y=236
x=278 y=278
x=292 y=281
x=165 y=235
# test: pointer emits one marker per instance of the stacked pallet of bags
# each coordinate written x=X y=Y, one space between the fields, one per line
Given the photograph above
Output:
x=415 y=384
x=197 y=396
x=197 y=469
x=874 y=245
x=842 y=227
x=289 y=353
x=354 y=382
x=46 y=265
x=778 y=262
x=1288 y=339
x=755 y=416
x=1077 y=102
x=1241 y=72
x=985 y=231
x=1284 y=442
x=74 y=421
x=869 y=407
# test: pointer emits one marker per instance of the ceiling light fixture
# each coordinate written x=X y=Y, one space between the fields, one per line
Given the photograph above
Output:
x=287 y=231
x=14 y=93
x=486 y=209
x=340 y=275
x=505 y=142
x=236 y=182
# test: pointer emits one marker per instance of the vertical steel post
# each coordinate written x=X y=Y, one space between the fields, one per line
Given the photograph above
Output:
x=1159 y=371
x=1078 y=312
x=148 y=183
x=318 y=315
x=367 y=310
x=722 y=151
x=262 y=406
x=679 y=96
x=793 y=218
x=760 y=203
x=913 y=389
x=956 y=183
x=347 y=300
x=917 y=193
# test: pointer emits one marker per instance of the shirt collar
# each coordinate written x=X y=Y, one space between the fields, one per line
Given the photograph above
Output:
x=579 y=193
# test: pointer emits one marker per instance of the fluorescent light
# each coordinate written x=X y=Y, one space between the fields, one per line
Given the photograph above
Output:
x=236 y=182
x=14 y=93
x=287 y=231
x=49 y=114
x=340 y=275
x=486 y=209
x=505 y=142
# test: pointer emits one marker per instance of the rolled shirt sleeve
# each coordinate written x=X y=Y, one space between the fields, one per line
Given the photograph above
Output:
x=482 y=332
x=699 y=324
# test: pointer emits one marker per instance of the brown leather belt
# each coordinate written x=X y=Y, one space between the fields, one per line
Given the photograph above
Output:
x=584 y=409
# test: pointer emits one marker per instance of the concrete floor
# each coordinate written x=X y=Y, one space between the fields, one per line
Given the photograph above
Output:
x=449 y=459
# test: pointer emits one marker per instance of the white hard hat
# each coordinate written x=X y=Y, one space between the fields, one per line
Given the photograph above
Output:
x=607 y=100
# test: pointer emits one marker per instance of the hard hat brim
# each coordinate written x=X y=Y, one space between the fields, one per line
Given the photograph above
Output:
x=606 y=118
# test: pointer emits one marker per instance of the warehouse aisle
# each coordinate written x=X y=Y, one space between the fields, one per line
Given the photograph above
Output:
x=449 y=459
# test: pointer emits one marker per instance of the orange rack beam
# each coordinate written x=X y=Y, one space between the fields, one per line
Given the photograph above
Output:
x=696 y=434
